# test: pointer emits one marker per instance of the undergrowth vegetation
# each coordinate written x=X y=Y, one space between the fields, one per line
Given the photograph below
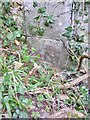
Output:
x=27 y=88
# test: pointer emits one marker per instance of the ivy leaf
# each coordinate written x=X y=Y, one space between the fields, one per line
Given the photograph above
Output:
x=40 y=98
x=86 y=21
x=67 y=34
x=18 y=33
x=69 y=29
x=26 y=58
x=35 y=114
x=15 y=115
x=80 y=13
x=81 y=39
x=44 y=14
x=34 y=31
x=33 y=50
x=42 y=10
x=10 y=36
x=46 y=23
x=50 y=19
x=17 y=111
x=23 y=115
x=77 y=21
x=35 y=4
x=82 y=28
x=6 y=42
x=25 y=101
x=6 y=99
x=31 y=27
x=37 y=18
x=84 y=90
x=87 y=1
x=41 y=31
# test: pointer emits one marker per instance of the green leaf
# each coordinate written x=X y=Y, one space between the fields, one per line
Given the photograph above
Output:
x=10 y=36
x=67 y=34
x=83 y=90
x=44 y=14
x=50 y=19
x=18 y=33
x=37 y=18
x=15 y=115
x=35 y=114
x=6 y=99
x=86 y=21
x=77 y=21
x=34 y=31
x=25 y=101
x=68 y=102
x=1 y=59
x=22 y=97
x=69 y=29
x=80 y=13
x=39 y=104
x=42 y=10
x=86 y=13
x=35 y=4
x=46 y=23
x=21 y=90
x=41 y=31
x=26 y=58
x=82 y=27
x=33 y=50
x=31 y=26
x=8 y=109
x=17 y=111
x=81 y=38
x=6 y=42
x=87 y=1
x=23 y=115
x=1 y=22
x=40 y=98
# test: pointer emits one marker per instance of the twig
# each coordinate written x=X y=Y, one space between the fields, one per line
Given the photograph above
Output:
x=73 y=83
x=81 y=60
x=77 y=59
x=70 y=51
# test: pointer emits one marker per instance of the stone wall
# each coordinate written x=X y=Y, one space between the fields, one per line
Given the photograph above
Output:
x=61 y=14
x=50 y=49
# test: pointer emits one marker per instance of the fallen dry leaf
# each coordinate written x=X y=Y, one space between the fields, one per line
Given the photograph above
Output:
x=18 y=64
x=32 y=72
x=17 y=42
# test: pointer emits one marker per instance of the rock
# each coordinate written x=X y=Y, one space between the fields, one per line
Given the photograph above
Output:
x=50 y=50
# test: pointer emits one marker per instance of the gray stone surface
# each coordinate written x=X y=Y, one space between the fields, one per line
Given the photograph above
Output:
x=51 y=50
x=57 y=9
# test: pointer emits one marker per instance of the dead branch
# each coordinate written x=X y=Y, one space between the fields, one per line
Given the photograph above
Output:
x=75 y=82
x=81 y=60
